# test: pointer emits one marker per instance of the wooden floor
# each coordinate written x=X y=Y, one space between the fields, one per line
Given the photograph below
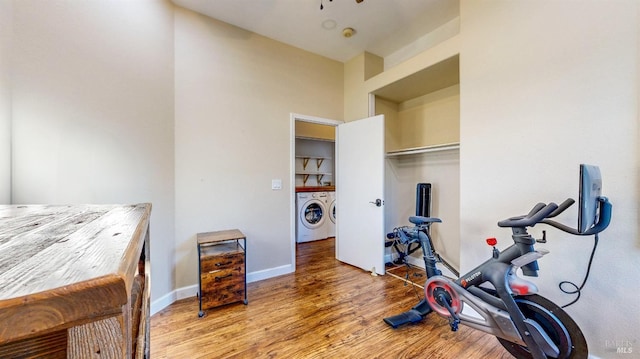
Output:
x=325 y=310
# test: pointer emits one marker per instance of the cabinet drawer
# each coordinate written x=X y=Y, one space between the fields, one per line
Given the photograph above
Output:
x=221 y=262
x=222 y=287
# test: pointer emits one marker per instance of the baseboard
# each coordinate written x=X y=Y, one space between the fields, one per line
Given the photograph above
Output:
x=270 y=273
x=192 y=290
x=391 y=255
x=162 y=302
x=419 y=262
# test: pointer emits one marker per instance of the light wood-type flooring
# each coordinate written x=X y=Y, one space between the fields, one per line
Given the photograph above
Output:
x=326 y=309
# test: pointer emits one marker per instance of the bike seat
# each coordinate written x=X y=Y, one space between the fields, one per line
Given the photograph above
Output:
x=418 y=220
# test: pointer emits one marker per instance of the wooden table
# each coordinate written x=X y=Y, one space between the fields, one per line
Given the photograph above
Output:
x=74 y=281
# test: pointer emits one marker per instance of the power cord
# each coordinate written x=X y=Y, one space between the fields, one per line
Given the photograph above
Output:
x=408 y=278
x=402 y=244
x=577 y=289
x=404 y=255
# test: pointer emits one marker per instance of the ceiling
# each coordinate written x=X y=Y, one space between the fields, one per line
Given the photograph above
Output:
x=382 y=27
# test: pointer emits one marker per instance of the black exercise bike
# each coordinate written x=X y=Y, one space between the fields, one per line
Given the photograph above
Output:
x=525 y=323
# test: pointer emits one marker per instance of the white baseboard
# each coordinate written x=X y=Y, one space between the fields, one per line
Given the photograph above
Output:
x=163 y=302
x=270 y=273
x=419 y=262
x=192 y=290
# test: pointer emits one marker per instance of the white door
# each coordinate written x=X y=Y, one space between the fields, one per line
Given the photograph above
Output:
x=359 y=193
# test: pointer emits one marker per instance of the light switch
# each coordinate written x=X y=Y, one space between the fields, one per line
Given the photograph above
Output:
x=276 y=184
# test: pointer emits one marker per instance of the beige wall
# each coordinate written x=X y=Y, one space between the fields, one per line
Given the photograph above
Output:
x=6 y=31
x=428 y=120
x=92 y=110
x=392 y=136
x=235 y=91
x=357 y=86
x=356 y=97
x=543 y=88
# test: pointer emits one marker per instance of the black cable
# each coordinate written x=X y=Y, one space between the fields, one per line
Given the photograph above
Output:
x=403 y=255
x=577 y=289
x=415 y=290
x=407 y=277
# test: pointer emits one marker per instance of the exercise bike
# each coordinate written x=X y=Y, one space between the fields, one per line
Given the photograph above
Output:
x=525 y=323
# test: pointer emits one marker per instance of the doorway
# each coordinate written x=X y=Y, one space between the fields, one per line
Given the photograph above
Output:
x=327 y=132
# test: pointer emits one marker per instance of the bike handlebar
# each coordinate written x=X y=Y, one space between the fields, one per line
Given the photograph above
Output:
x=604 y=218
x=564 y=205
x=534 y=210
x=539 y=212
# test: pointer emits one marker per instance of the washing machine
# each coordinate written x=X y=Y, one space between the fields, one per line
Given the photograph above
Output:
x=331 y=223
x=312 y=215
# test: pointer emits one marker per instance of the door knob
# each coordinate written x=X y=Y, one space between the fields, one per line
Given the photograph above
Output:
x=378 y=202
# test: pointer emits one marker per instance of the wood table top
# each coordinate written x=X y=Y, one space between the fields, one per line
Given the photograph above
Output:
x=64 y=264
x=219 y=236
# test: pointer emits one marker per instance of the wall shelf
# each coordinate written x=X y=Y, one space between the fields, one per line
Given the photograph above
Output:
x=319 y=176
x=305 y=161
x=424 y=149
x=306 y=173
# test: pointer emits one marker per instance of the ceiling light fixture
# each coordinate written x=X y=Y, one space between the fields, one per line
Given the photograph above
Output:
x=348 y=32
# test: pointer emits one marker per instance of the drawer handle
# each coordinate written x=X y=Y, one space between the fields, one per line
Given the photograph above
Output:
x=223 y=277
x=223 y=264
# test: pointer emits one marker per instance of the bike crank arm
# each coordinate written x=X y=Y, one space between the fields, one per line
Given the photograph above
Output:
x=454 y=320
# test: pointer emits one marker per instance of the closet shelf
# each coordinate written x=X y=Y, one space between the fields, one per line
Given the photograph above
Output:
x=425 y=149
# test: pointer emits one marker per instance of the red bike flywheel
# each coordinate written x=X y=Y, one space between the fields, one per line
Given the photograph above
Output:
x=436 y=286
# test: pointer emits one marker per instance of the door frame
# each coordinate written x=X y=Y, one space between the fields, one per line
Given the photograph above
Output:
x=293 y=117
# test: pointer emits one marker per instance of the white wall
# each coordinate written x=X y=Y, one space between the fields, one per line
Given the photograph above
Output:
x=544 y=87
x=235 y=91
x=6 y=30
x=92 y=100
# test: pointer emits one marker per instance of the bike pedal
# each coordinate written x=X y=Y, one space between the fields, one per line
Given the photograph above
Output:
x=453 y=323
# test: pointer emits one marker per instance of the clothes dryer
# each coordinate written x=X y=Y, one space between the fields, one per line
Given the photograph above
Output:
x=331 y=223
x=312 y=214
